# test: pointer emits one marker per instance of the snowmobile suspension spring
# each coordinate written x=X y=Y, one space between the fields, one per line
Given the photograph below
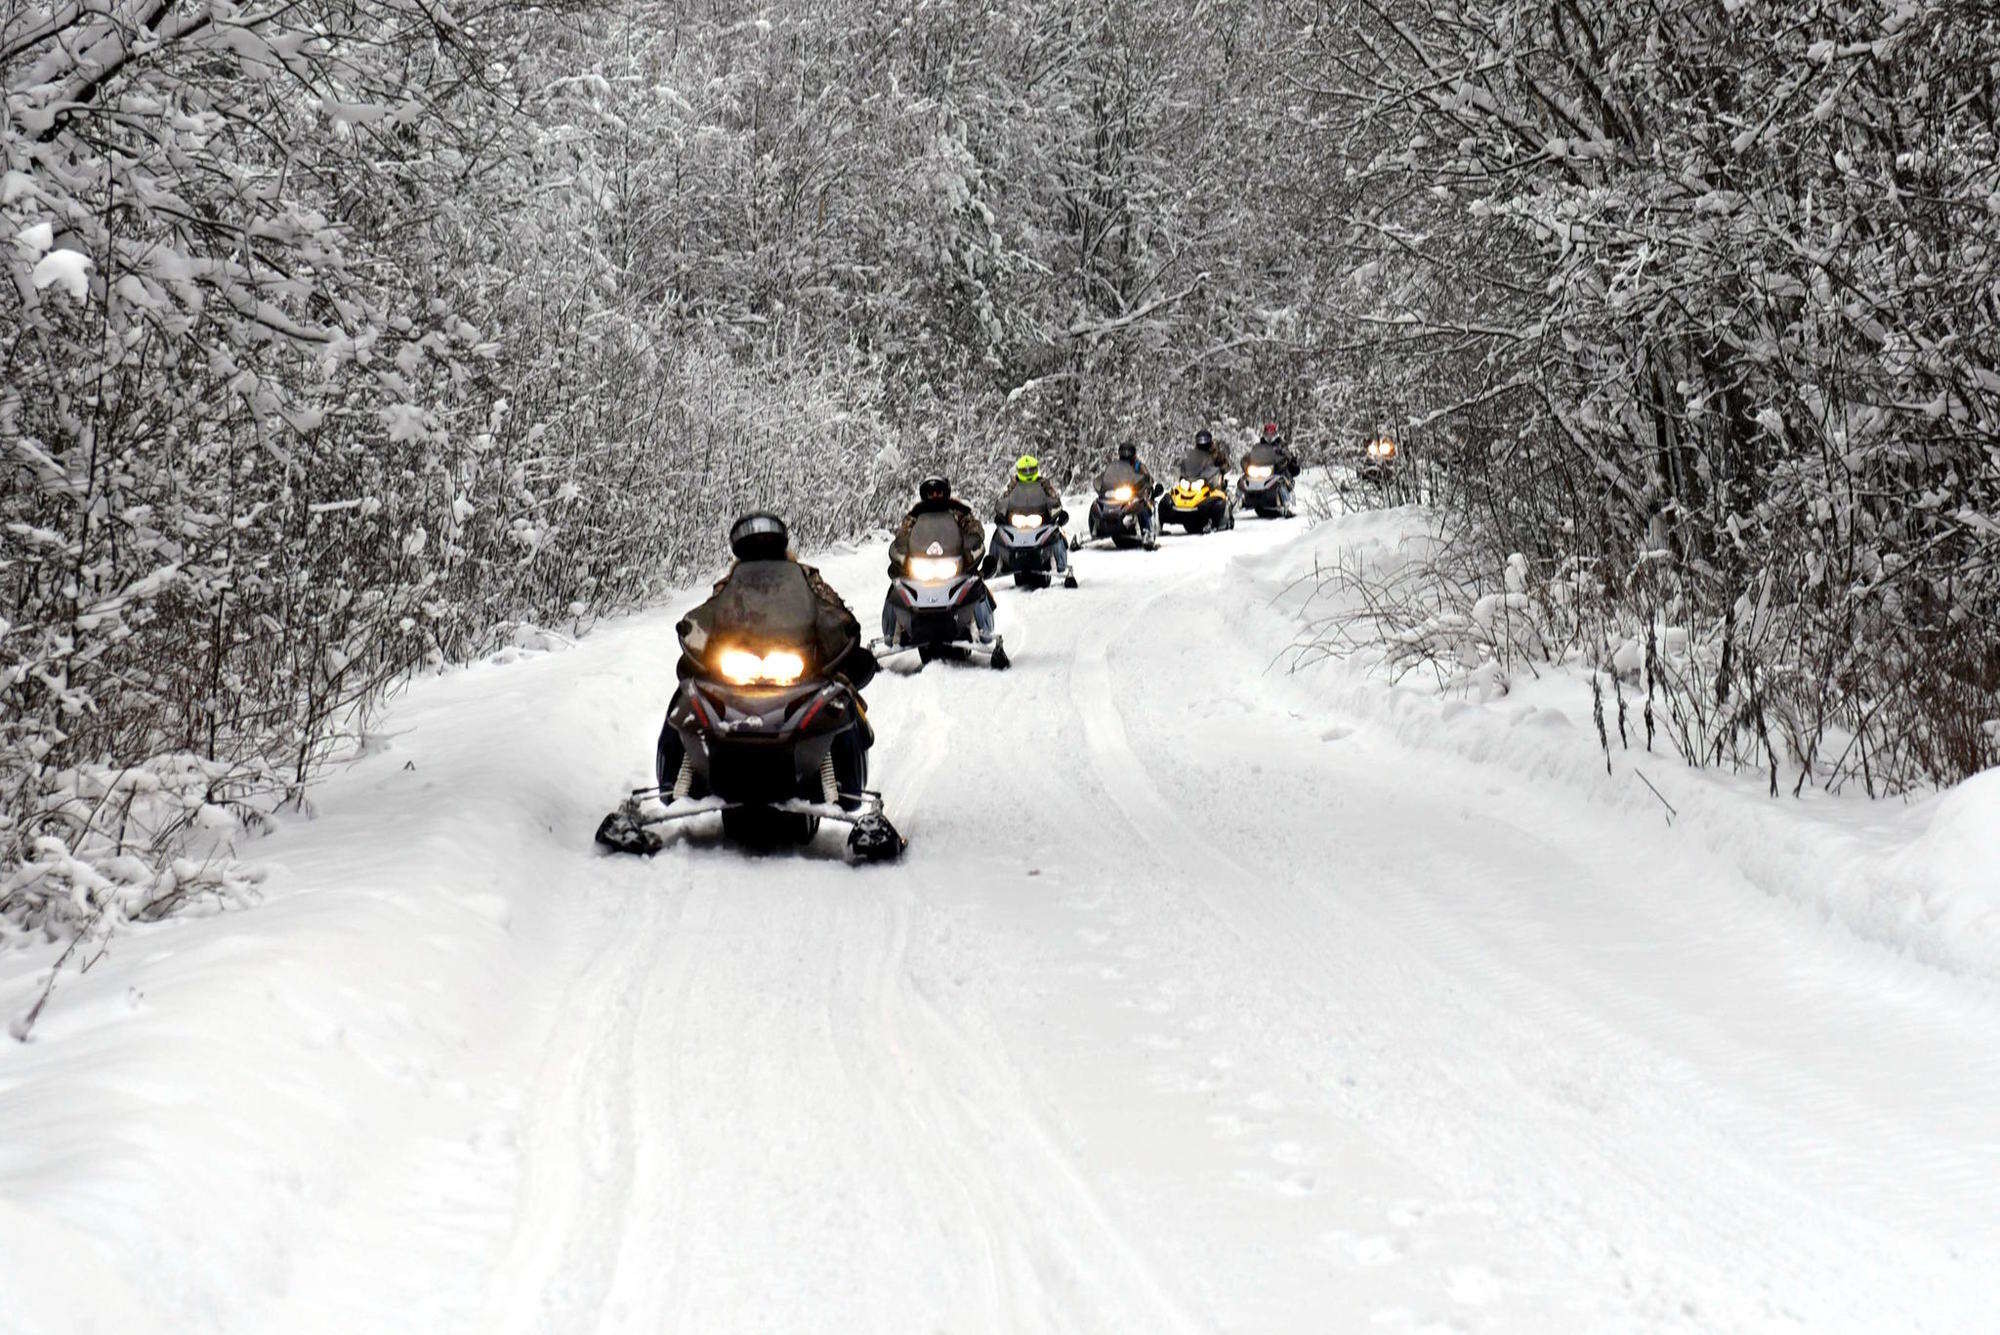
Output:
x=684 y=781
x=827 y=782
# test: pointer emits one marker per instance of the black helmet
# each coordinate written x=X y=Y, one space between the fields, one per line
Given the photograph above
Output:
x=1203 y=439
x=934 y=488
x=1128 y=452
x=760 y=536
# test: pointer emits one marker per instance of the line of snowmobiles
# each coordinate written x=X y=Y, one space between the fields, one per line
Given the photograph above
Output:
x=776 y=743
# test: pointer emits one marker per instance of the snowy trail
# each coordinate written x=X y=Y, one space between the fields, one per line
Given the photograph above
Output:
x=1186 y=1011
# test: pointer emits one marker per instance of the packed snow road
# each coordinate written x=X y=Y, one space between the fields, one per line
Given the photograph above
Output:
x=1191 y=1007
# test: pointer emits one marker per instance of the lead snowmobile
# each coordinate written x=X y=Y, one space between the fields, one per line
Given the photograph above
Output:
x=936 y=598
x=767 y=727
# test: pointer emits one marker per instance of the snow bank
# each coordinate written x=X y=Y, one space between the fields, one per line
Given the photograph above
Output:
x=1921 y=878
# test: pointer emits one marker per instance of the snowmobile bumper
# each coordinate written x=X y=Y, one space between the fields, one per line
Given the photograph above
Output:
x=635 y=826
x=1028 y=554
x=989 y=653
x=1210 y=510
x=1268 y=497
x=936 y=620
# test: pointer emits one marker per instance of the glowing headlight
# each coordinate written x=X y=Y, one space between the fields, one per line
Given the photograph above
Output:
x=1119 y=494
x=1189 y=484
x=1026 y=521
x=739 y=665
x=783 y=666
x=933 y=569
x=780 y=667
x=1381 y=449
x=1258 y=472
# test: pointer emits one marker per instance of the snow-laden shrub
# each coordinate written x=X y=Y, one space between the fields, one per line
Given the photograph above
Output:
x=1700 y=297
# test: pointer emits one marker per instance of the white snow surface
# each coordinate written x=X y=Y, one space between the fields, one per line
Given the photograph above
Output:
x=1206 y=998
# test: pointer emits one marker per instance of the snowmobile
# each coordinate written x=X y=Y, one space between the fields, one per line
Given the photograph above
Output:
x=1199 y=501
x=1024 y=541
x=931 y=600
x=761 y=734
x=1123 y=512
x=1378 y=464
x=1267 y=483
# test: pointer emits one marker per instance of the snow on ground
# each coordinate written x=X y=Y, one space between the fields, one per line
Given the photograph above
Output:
x=1921 y=877
x=1206 y=998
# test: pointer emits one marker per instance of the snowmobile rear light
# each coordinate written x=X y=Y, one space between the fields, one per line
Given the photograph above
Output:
x=1258 y=471
x=780 y=667
x=1025 y=521
x=933 y=569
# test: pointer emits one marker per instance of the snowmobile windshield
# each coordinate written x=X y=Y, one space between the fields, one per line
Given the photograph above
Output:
x=1119 y=474
x=936 y=534
x=1025 y=498
x=1262 y=455
x=1197 y=464
x=763 y=605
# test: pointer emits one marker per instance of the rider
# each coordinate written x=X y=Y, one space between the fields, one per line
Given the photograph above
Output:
x=757 y=541
x=767 y=585
x=934 y=497
x=1205 y=441
x=1144 y=488
x=1128 y=454
x=1286 y=462
x=1035 y=494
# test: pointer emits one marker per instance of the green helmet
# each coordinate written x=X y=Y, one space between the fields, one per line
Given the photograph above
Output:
x=1028 y=468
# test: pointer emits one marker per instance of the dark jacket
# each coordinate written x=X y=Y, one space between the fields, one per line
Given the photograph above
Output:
x=970 y=530
x=1274 y=453
x=786 y=601
x=1196 y=461
x=1217 y=452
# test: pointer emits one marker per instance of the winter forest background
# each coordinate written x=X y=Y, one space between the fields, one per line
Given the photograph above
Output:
x=345 y=338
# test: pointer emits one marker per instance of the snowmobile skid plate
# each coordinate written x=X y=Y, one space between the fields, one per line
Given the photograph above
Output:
x=635 y=826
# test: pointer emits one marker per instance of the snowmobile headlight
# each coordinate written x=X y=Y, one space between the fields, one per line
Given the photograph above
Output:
x=783 y=667
x=933 y=569
x=1120 y=493
x=1189 y=484
x=780 y=667
x=1258 y=472
x=1381 y=449
x=1025 y=521
x=739 y=666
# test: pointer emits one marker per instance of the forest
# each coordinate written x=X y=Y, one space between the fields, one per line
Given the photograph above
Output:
x=346 y=340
